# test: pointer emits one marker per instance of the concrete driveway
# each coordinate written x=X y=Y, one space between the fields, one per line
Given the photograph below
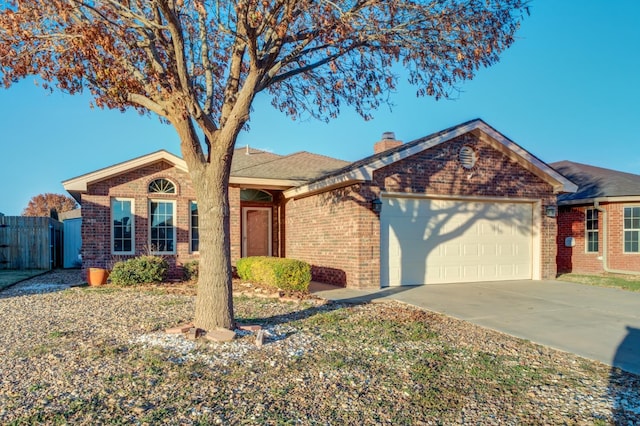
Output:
x=597 y=323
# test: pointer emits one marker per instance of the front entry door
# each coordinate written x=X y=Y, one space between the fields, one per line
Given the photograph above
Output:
x=256 y=232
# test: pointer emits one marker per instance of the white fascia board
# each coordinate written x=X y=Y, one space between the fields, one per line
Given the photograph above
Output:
x=264 y=183
x=422 y=146
x=365 y=172
x=339 y=181
x=560 y=184
x=589 y=201
x=79 y=184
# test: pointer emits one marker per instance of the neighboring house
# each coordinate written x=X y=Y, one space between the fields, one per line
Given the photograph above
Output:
x=599 y=224
x=463 y=204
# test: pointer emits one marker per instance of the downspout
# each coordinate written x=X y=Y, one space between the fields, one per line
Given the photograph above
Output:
x=605 y=248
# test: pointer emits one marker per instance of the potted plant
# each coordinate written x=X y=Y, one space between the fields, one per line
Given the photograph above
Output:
x=97 y=276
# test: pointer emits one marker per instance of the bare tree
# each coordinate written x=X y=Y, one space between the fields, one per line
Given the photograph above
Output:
x=49 y=205
x=199 y=64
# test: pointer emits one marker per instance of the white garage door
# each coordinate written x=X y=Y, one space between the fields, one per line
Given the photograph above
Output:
x=434 y=241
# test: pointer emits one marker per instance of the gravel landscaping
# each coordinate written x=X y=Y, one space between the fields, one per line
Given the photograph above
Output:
x=84 y=355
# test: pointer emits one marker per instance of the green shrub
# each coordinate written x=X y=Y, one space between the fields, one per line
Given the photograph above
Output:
x=139 y=270
x=285 y=274
x=243 y=268
x=190 y=270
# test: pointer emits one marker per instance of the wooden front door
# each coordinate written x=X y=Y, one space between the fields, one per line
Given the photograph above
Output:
x=256 y=232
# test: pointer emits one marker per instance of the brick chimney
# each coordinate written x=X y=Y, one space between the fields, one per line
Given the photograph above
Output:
x=388 y=141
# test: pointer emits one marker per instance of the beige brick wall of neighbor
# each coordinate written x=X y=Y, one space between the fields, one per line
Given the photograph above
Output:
x=339 y=235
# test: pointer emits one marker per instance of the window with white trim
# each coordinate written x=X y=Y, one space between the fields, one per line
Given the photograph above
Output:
x=122 y=226
x=632 y=229
x=591 y=230
x=162 y=231
x=195 y=229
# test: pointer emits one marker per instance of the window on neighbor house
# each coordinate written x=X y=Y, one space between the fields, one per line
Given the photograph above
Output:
x=162 y=231
x=632 y=229
x=122 y=226
x=591 y=225
x=195 y=230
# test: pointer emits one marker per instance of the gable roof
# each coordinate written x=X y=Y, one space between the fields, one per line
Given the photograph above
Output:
x=77 y=185
x=363 y=170
x=305 y=173
x=249 y=167
x=596 y=182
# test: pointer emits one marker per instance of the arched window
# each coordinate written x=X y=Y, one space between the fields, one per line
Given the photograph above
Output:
x=162 y=186
x=255 y=195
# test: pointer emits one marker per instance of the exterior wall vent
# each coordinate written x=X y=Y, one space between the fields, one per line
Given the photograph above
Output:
x=467 y=157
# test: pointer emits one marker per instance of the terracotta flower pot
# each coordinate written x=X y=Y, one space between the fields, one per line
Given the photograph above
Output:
x=97 y=276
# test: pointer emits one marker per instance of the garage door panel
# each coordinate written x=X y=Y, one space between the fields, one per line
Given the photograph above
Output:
x=426 y=241
x=472 y=250
x=451 y=250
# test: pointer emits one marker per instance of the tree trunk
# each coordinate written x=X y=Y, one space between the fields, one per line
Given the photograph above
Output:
x=214 y=302
x=210 y=177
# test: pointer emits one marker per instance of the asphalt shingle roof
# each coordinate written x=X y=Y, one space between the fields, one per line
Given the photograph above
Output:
x=243 y=160
x=298 y=166
x=594 y=182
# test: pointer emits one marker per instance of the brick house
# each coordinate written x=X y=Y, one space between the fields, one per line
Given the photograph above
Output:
x=599 y=224
x=463 y=204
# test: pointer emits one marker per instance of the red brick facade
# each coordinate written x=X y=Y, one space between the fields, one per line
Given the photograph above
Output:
x=576 y=259
x=337 y=232
x=96 y=213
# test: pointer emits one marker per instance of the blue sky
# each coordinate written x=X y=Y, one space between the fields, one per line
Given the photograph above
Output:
x=569 y=88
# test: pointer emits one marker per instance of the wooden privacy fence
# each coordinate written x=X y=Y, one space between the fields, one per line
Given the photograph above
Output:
x=30 y=242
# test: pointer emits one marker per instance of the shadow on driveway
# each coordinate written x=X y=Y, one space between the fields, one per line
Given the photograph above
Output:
x=625 y=387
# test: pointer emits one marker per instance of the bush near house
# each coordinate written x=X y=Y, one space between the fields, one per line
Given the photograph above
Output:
x=285 y=274
x=139 y=270
x=190 y=270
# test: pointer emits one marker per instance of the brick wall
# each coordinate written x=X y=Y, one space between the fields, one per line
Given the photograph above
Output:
x=96 y=212
x=338 y=233
x=335 y=231
x=571 y=223
x=616 y=257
